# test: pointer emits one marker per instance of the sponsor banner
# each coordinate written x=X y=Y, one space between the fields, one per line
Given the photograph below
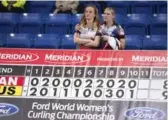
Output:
x=83 y=57
x=41 y=109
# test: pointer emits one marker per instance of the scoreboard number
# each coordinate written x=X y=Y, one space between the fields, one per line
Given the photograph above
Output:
x=34 y=82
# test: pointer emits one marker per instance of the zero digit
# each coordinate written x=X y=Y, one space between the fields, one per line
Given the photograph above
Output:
x=110 y=83
x=132 y=84
x=122 y=83
x=46 y=80
x=43 y=92
x=34 y=81
x=56 y=82
x=98 y=93
x=77 y=82
x=87 y=93
x=67 y=83
x=120 y=93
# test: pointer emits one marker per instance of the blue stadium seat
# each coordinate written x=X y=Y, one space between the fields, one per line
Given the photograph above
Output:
x=59 y=23
x=67 y=42
x=19 y=40
x=41 y=6
x=8 y=22
x=137 y=24
x=47 y=41
x=75 y=20
x=143 y=7
x=121 y=7
x=121 y=19
x=83 y=4
x=134 y=42
x=155 y=42
x=161 y=7
x=2 y=40
x=159 y=25
x=30 y=23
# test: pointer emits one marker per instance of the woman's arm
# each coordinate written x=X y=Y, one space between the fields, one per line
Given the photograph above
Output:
x=94 y=43
x=105 y=37
x=79 y=40
x=122 y=44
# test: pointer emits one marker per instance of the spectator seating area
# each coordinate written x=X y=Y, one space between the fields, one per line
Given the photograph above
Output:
x=145 y=25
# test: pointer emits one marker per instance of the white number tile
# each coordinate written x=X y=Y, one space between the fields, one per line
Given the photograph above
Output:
x=119 y=93
x=76 y=93
x=155 y=94
x=26 y=81
x=76 y=81
x=87 y=93
x=36 y=81
x=143 y=84
x=156 y=84
x=44 y=82
x=142 y=94
x=43 y=92
x=98 y=93
x=65 y=93
x=99 y=83
x=88 y=83
x=33 y=90
x=131 y=94
x=54 y=92
x=24 y=91
x=64 y=81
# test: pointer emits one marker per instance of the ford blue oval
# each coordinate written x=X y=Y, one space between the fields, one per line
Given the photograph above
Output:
x=8 y=109
x=144 y=113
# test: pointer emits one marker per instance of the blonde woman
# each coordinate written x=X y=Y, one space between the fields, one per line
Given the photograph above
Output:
x=113 y=36
x=87 y=35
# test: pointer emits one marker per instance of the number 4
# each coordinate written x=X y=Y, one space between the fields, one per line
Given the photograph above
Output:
x=68 y=72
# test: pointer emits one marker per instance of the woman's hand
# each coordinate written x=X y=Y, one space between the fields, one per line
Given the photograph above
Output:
x=77 y=27
x=105 y=37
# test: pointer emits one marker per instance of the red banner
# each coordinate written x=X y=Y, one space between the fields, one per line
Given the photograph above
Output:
x=83 y=57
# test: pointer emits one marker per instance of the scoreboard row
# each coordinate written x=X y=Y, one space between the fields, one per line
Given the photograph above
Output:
x=85 y=72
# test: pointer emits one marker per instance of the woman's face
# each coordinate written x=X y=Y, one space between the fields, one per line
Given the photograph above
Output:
x=108 y=15
x=89 y=13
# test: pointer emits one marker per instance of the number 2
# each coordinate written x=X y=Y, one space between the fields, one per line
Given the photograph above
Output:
x=47 y=71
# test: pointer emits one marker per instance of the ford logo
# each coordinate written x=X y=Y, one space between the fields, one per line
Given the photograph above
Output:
x=8 y=109
x=144 y=113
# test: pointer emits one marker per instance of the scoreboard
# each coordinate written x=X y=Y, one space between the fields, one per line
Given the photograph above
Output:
x=84 y=82
x=84 y=75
